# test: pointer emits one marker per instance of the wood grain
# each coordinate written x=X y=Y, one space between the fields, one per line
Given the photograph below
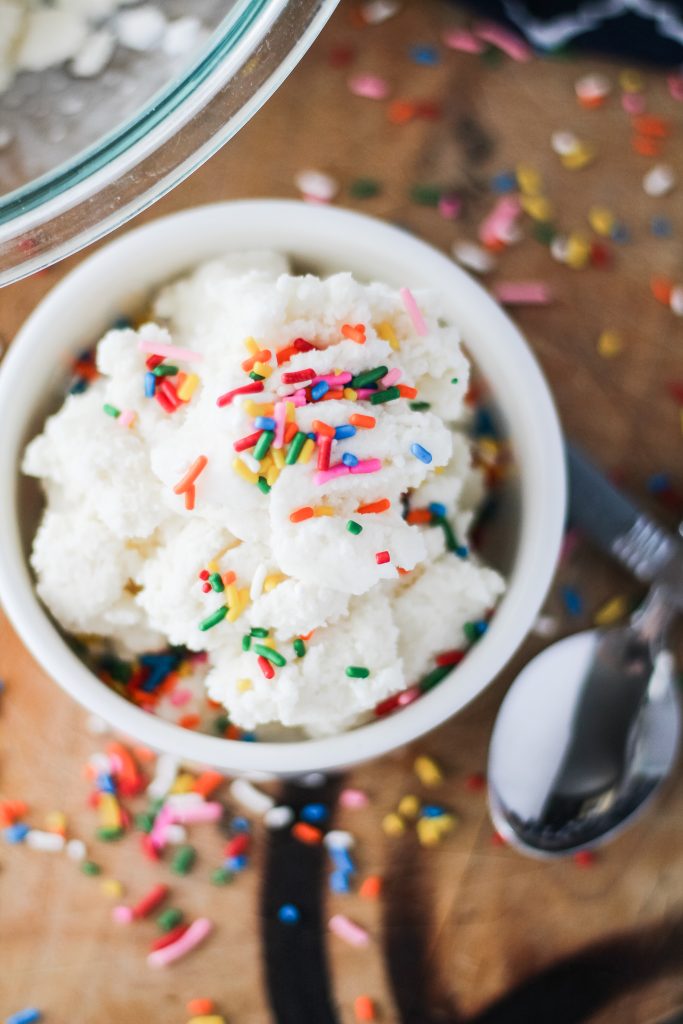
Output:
x=490 y=919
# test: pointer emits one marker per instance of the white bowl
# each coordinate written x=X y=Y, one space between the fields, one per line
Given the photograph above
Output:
x=116 y=280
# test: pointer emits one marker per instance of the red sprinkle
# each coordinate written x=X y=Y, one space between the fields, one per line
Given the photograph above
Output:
x=301 y=345
x=449 y=658
x=382 y=557
x=153 y=362
x=169 y=937
x=296 y=376
x=584 y=858
x=283 y=355
x=238 y=845
x=246 y=389
x=247 y=442
x=156 y=895
x=324 y=450
x=475 y=782
x=169 y=392
x=164 y=401
x=206 y=587
x=204 y=574
x=265 y=667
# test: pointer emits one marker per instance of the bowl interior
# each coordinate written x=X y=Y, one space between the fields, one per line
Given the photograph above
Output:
x=522 y=540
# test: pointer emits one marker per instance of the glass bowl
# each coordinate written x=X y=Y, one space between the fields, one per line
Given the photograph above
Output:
x=80 y=156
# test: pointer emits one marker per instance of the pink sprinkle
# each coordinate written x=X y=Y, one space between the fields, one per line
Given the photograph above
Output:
x=123 y=915
x=372 y=87
x=299 y=398
x=324 y=475
x=633 y=102
x=156 y=348
x=195 y=934
x=392 y=377
x=280 y=417
x=364 y=392
x=126 y=418
x=366 y=466
x=181 y=696
x=408 y=696
x=333 y=378
x=509 y=42
x=675 y=84
x=157 y=836
x=523 y=293
x=348 y=930
x=353 y=798
x=459 y=39
x=192 y=814
x=500 y=221
x=413 y=311
x=450 y=206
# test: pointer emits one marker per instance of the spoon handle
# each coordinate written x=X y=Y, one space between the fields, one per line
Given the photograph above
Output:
x=614 y=523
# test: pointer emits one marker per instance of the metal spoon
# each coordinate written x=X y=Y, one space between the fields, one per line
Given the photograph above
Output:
x=590 y=728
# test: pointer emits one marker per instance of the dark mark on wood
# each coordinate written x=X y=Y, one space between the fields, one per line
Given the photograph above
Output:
x=476 y=143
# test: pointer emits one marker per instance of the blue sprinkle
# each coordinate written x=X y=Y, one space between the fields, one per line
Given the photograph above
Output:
x=319 y=389
x=428 y=55
x=27 y=1016
x=150 y=384
x=236 y=864
x=432 y=811
x=346 y=430
x=248 y=737
x=659 y=482
x=240 y=824
x=314 y=813
x=481 y=625
x=264 y=423
x=421 y=453
x=572 y=600
x=16 y=833
x=349 y=460
x=506 y=181
x=484 y=424
x=661 y=227
x=311 y=436
x=342 y=860
x=437 y=509
x=79 y=386
x=339 y=882
x=461 y=551
x=105 y=783
x=121 y=323
x=289 y=914
x=620 y=233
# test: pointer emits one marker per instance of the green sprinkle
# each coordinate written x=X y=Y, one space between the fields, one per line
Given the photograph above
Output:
x=256 y=376
x=270 y=655
x=294 y=450
x=364 y=188
x=111 y=410
x=246 y=642
x=420 y=406
x=165 y=371
x=109 y=835
x=426 y=195
x=361 y=380
x=144 y=821
x=449 y=536
x=432 y=678
x=353 y=527
x=168 y=919
x=471 y=632
x=221 y=876
x=213 y=619
x=454 y=380
x=183 y=860
x=357 y=672
x=220 y=724
x=89 y=867
x=263 y=485
x=299 y=647
x=543 y=232
x=492 y=57
x=216 y=582
x=384 y=396
x=263 y=444
x=259 y=631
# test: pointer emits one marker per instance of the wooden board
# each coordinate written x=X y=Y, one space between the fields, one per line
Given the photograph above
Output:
x=469 y=925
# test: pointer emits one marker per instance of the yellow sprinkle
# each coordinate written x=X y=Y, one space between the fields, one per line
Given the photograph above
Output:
x=428 y=832
x=251 y=346
x=55 y=821
x=323 y=510
x=243 y=685
x=538 y=207
x=580 y=157
x=529 y=180
x=387 y=333
x=112 y=887
x=213 y=566
x=185 y=669
x=446 y=823
x=231 y=594
x=239 y=605
x=272 y=581
x=349 y=393
x=253 y=408
x=244 y=471
x=601 y=220
x=392 y=825
x=631 y=80
x=183 y=783
x=279 y=457
x=609 y=344
x=188 y=387
x=409 y=806
x=110 y=812
x=611 y=611
x=290 y=412
x=306 y=451
x=207 y=1018
x=578 y=251
x=427 y=771
x=263 y=369
x=272 y=475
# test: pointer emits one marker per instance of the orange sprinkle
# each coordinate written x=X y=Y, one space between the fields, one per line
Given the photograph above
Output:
x=283 y=355
x=323 y=428
x=652 y=126
x=189 y=498
x=401 y=111
x=661 y=288
x=406 y=391
x=371 y=888
x=207 y=782
x=364 y=1008
x=359 y=420
x=374 y=506
x=591 y=102
x=329 y=396
x=189 y=721
x=298 y=516
x=307 y=636
x=645 y=146
x=186 y=482
x=419 y=515
x=232 y=732
x=402 y=572
x=495 y=244
x=10 y=810
x=258 y=357
x=290 y=430
x=306 y=833
x=354 y=333
x=228 y=578
x=200 y=1007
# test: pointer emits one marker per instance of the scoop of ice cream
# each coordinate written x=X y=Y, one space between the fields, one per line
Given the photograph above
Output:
x=272 y=469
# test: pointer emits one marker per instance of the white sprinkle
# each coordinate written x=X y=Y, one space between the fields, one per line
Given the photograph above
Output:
x=50 y=37
x=316 y=185
x=94 y=55
x=278 y=817
x=76 y=849
x=100 y=762
x=676 y=300
x=376 y=11
x=96 y=726
x=473 y=256
x=659 y=180
x=250 y=462
x=313 y=780
x=51 y=842
x=257 y=581
x=183 y=799
x=545 y=625
x=337 y=839
x=181 y=35
x=164 y=776
x=593 y=86
x=559 y=247
x=142 y=28
x=175 y=834
x=249 y=796
x=564 y=143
